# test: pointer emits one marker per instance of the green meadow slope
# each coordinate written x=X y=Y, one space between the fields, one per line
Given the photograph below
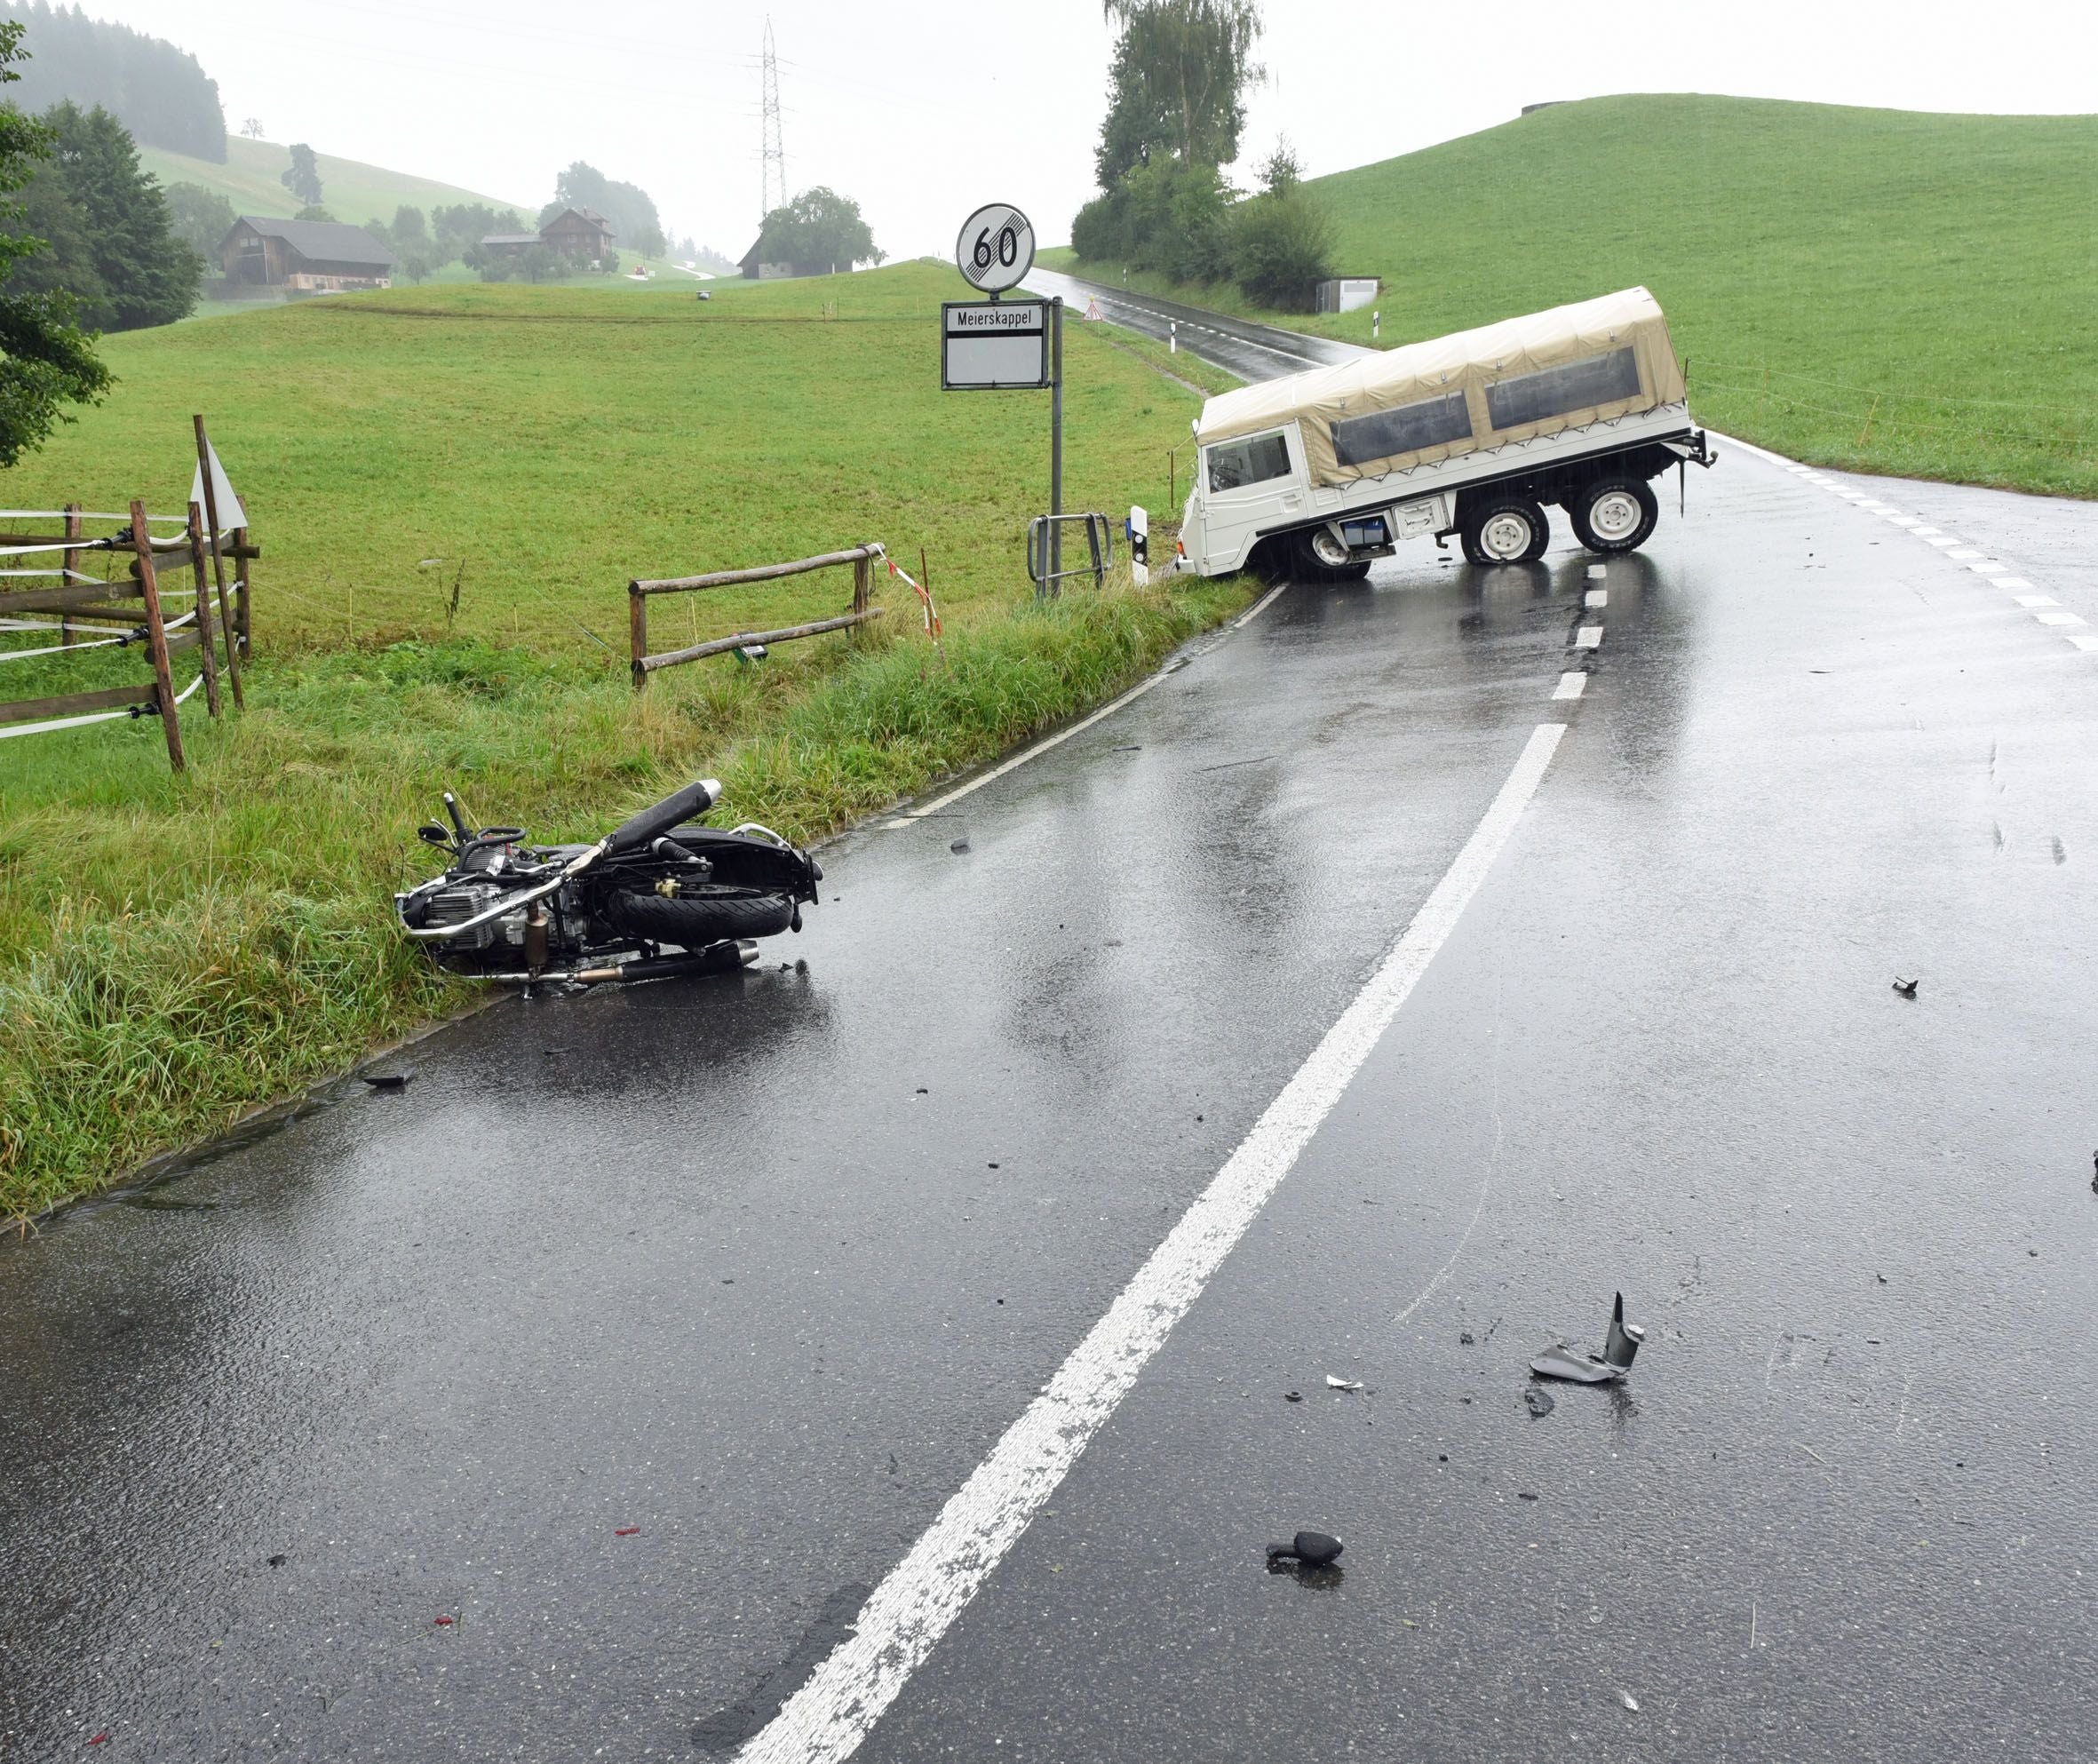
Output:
x=250 y=179
x=1889 y=290
x=451 y=488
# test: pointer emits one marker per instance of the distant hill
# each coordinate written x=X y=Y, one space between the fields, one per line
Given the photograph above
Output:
x=155 y=90
x=351 y=190
x=1897 y=290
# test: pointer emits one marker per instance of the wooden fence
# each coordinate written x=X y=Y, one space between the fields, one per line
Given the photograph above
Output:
x=94 y=614
x=860 y=557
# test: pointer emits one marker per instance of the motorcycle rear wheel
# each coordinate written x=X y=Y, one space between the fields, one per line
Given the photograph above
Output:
x=694 y=921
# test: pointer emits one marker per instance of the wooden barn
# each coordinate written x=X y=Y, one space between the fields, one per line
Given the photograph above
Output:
x=579 y=232
x=314 y=257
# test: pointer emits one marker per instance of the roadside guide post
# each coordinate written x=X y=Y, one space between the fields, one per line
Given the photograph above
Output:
x=1003 y=345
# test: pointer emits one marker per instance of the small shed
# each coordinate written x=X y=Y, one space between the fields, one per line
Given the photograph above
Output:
x=1347 y=293
x=314 y=257
x=508 y=244
x=579 y=232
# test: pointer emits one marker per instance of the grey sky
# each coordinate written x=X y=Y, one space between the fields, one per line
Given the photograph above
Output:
x=922 y=112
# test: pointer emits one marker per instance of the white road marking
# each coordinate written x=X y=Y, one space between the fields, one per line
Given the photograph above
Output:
x=1987 y=566
x=2057 y=619
x=1597 y=597
x=1590 y=637
x=2036 y=600
x=1905 y=521
x=1597 y=572
x=2012 y=582
x=1964 y=554
x=1941 y=543
x=1570 y=686
x=912 y=815
x=2083 y=640
x=1928 y=532
x=900 y=1625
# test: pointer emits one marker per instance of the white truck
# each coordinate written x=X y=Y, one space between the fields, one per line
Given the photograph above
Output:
x=1473 y=434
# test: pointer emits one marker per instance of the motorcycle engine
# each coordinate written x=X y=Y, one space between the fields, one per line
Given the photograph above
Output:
x=456 y=905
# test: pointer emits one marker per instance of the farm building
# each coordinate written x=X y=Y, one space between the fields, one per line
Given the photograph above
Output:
x=755 y=271
x=578 y=232
x=312 y=257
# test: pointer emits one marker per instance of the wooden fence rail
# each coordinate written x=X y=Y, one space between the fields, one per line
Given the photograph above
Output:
x=638 y=591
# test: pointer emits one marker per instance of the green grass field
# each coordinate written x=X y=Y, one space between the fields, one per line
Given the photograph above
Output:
x=176 y=951
x=351 y=190
x=1879 y=289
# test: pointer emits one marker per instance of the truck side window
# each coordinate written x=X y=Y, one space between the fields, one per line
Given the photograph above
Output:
x=1558 y=391
x=1233 y=464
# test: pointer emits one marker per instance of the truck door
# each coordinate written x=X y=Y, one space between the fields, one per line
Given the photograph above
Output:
x=1249 y=484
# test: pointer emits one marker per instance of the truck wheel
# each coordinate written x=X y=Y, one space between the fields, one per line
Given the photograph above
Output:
x=1320 y=557
x=1507 y=529
x=1614 y=514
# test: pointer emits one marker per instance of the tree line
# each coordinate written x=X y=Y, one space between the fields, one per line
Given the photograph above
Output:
x=1176 y=110
x=157 y=91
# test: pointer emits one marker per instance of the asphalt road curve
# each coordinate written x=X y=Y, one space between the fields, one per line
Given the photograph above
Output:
x=709 y=1368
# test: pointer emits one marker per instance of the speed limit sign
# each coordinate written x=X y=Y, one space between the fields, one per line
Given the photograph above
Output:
x=996 y=248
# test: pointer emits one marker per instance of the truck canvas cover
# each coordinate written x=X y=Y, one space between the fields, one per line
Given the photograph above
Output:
x=1466 y=392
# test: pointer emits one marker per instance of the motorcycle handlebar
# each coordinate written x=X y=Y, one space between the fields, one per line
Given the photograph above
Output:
x=673 y=811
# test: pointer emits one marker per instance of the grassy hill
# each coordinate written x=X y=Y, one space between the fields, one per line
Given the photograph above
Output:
x=451 y=486
x=1888 y=290
x=351 y=190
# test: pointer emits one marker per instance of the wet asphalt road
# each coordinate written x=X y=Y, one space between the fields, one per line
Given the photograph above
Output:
x=763 y=1266
x=1253 y=351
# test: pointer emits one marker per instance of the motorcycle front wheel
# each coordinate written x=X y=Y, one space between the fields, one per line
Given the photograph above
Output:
x=692 y=921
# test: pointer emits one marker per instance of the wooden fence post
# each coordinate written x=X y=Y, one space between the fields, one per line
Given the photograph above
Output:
x=203 y=607
x=637 y=630
x=157 y=639
x=204 y=601
x=862 y=583
x=240 y=605
x=72 y=563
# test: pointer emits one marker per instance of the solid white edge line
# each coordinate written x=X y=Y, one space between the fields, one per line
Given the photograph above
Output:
x=826 y=1720
x=909 y=815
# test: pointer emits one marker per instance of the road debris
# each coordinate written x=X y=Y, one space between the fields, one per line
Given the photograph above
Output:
x=1619 y=1349
x=1292 y=1396
x=279 y=1560
x=1333 y=1383
x=1539 y=1400
x=960 y=845
x=390 y=1080
x=443 y=1623
x=1314 y=1549
x=1906 y=988
x=1629 y=1701
x=626 y=1531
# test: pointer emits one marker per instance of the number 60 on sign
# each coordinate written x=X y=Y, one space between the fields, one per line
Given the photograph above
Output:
x=996 y=249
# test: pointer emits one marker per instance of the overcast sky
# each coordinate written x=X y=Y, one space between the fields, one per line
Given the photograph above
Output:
x=923 y=112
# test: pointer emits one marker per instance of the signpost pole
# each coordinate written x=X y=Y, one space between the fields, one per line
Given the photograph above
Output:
x=1056 y=442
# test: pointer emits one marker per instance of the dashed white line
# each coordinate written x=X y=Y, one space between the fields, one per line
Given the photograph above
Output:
x=1589 y=636
x=2058 y=618
x=2036 y=600
x=826 y=1720
x=1570 y=686
x=1987 y=566
x=2012 y=582
x=1597 y=597
x=1964 y=554
x=2083 y=640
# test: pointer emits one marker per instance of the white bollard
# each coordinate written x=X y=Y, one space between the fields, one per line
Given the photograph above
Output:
x=1376 y=325
x=1172 y=337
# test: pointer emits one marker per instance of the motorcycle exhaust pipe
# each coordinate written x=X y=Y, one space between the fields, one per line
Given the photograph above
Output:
x=721 y=959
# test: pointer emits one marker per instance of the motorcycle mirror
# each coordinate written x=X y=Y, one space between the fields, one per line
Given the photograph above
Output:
x=431 y=835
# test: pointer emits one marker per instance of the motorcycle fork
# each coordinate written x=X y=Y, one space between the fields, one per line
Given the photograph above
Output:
x=535 y=937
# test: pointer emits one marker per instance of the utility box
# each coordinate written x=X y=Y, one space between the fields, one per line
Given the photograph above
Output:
x=1347 y=293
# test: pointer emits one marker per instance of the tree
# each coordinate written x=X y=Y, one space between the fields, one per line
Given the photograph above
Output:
x=1283 y=247
x=200 y=217
x=314 y=211
x=302 y=177
x=408 y=228
x=1176 y=83
x=629 y=209
x=124 y=262
x=155 y=90
x=252 y=128
x=46 y=361
x=818 y=231
x=458 y=230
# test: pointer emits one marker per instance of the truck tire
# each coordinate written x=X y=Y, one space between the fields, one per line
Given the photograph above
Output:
x=1507 y=529
x=1614 y=514
x=1314 y=562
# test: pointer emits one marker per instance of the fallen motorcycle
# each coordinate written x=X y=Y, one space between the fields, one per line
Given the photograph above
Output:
x=659 y=895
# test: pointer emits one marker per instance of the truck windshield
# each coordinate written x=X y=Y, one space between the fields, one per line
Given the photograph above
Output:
x=1233 y=464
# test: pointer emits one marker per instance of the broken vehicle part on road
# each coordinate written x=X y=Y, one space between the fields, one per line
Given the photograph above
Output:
x=1619 y=1349
x=661 y=894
